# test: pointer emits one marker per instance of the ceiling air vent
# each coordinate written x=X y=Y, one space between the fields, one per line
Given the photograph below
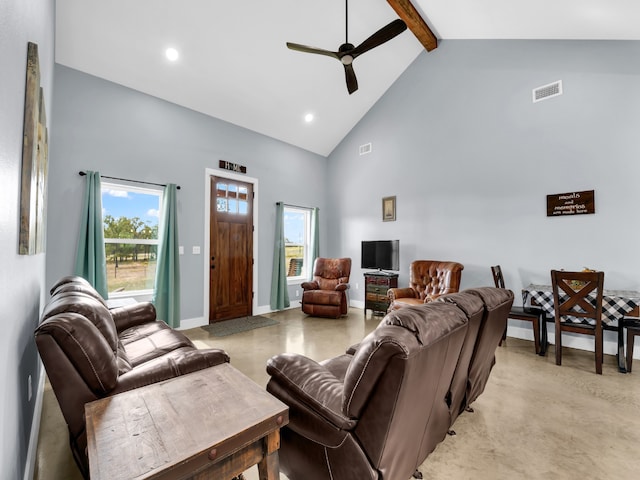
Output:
x=547 y=91
x=366 y=148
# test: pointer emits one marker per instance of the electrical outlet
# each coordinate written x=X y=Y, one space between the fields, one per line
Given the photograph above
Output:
x=181 y=250
x=29 y=389
x=196 y=250
x=357 y=286
x=297 y=293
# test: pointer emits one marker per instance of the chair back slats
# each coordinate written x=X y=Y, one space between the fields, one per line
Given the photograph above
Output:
x=577 y=296
x=583 y=294
x=498 y=279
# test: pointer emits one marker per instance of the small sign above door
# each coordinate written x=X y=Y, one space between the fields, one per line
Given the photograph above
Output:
x=572 y=203
x=234 y=167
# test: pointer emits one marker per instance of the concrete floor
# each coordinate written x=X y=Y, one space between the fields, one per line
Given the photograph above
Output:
x=534 y=420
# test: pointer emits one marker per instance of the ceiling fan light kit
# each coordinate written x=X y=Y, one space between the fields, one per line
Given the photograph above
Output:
x=347 y=52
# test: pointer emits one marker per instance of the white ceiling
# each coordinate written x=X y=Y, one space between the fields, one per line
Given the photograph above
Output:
x=234 y=64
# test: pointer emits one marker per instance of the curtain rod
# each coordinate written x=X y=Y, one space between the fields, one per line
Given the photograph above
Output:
x=294 y=206
x=82 y=174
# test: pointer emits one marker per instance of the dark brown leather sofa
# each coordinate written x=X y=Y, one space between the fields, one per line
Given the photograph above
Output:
x=428 y=279
x=91 y=352
x=378 y=411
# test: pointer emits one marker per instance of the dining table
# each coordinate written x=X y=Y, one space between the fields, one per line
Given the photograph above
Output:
x=616 y=305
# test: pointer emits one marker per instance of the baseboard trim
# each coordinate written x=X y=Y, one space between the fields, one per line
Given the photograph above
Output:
x=32 y=451
x=523 y=330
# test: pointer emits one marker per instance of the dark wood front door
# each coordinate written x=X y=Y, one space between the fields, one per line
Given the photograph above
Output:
x=231 y=249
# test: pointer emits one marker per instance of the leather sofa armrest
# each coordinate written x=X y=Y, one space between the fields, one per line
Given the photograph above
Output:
x=311 y=385
x=431 y=297
x=341 y=287
x=310 y=285
x=131 y=315
x=394 y=293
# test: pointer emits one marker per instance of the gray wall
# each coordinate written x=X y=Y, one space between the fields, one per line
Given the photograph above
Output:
x=120 y=132
x=22 y=277
x=471 y=159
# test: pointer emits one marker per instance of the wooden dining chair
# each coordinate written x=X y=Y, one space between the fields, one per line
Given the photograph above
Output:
x=577 y=296
x=529 y=314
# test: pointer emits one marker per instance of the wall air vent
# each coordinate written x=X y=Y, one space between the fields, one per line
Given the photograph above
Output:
x=547 y=91
x=366 y=148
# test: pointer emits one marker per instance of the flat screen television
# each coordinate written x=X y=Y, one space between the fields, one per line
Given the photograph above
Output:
x=381 y=254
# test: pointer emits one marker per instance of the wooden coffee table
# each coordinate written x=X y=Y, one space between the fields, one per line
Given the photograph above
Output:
x=210 y=424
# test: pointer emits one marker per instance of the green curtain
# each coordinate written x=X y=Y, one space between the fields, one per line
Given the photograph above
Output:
x=91 y=262
x=315 y=241
x=166 y=291
x=279 y=292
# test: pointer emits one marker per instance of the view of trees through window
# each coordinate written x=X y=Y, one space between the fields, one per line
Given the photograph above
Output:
x=297 y=228
x=130 y=217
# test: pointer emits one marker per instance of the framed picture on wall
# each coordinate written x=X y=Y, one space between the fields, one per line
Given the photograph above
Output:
x=34 y=161
x=389 y=209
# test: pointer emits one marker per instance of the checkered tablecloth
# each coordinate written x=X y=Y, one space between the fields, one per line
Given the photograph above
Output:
x=615 y=303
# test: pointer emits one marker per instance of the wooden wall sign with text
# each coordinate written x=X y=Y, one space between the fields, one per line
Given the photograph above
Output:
x=572 y=203
x=234 y=167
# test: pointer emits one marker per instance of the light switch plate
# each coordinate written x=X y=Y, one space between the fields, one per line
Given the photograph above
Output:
x=196 y=250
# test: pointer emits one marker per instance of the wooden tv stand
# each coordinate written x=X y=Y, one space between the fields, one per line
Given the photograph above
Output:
x=376 y=285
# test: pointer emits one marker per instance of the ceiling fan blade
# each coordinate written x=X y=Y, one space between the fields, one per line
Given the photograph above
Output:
x=352 y=81
x=306 y=49
x=383 y=35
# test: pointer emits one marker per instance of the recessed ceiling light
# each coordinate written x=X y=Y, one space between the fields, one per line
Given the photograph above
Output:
x=308 y=117
x=172 y=54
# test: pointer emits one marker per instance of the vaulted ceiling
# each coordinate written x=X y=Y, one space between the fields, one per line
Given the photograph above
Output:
x=234 y=63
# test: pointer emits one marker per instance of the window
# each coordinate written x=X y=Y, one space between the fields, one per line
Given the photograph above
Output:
x=231 y=198
x=297 y=238
x=130 y=216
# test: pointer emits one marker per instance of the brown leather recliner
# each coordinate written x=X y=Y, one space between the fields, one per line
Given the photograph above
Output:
x=325 y=296
x=428 y=279
x=487 y=309
x=377 y=412
x=91 y=352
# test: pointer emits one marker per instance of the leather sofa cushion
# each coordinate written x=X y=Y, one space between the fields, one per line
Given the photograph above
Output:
x=323 y=297
x=90 y=308
x=77 y=287
x=427 y=322
x=471 y=304
x=88 y=351
x=70 y=279
x=493 y=298
x=151 y=340
x=180 y=361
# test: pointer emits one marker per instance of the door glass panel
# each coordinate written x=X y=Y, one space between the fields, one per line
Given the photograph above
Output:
x=243 y=207
x=221 y=204
x=233 y=206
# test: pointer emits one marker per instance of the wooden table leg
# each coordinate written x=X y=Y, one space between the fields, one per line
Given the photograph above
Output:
x=622 y=359
x=269 y=466
x=544 y=341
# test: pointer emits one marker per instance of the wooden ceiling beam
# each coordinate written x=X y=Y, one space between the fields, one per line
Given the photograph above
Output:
x=407 y=12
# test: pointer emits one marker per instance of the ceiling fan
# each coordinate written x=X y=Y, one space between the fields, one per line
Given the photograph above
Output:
x=347 y=52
